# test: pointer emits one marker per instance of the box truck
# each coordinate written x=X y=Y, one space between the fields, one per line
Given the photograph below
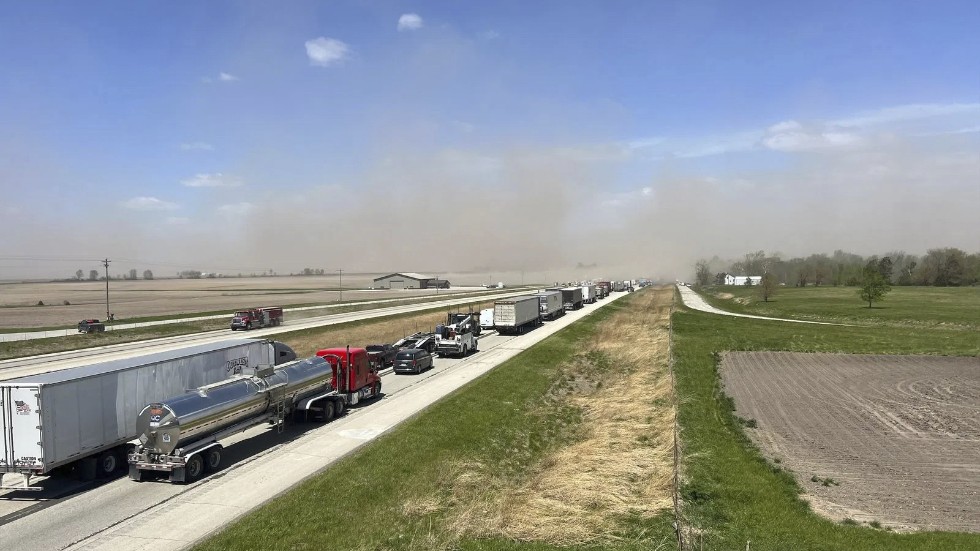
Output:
x=516 y=314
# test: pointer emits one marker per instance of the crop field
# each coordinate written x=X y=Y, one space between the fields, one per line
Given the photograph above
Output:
x=130 y=300
x=872 y=438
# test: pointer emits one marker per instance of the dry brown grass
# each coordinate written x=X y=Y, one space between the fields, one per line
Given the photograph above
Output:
x=619 y=466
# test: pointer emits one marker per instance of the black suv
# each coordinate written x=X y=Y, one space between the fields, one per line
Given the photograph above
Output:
x=91 y=326
x=412 y=360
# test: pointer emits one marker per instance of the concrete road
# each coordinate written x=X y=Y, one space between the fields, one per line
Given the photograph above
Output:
x=262 y=464
x=21 y=367
x=694 y=301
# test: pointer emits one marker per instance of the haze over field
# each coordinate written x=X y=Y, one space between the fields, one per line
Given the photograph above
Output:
x=438 y=137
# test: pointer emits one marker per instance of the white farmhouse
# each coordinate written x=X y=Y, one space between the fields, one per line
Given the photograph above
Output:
x=740 y=280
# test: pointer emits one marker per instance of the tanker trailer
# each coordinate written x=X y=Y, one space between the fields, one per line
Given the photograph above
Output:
x=181 y=436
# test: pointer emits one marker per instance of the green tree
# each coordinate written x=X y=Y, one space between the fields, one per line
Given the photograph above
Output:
x=79 y=275
x=148 y=274
x=702 y=274
x=767 y=287
x=874 y=286
x=885 y=267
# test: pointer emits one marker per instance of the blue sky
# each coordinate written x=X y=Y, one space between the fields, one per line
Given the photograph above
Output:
x=180 y=122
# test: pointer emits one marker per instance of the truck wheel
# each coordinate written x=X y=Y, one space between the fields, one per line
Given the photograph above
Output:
x=377 y=389
x=338 y=409
x=212 y=459
x=108 y=463
x=328 y=411
x=248 y=326
x=194 y=468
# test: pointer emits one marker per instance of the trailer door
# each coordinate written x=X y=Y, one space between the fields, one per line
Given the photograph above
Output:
x=22 y=428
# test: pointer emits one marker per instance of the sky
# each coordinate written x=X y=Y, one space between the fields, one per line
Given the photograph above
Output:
x=629 y=137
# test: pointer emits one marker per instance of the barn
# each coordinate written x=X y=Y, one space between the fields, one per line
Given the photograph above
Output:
x=409 y=280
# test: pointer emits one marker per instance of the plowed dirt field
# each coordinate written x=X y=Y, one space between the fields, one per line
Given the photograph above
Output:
x=889 y=438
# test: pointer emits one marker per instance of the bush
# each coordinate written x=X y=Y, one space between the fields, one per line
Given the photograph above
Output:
x=40 y=303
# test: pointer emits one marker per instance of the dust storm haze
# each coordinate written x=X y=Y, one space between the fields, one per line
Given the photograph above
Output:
x=448 y=149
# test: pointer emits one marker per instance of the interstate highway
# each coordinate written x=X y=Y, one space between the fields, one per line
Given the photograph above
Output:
x=260 y=464
x=21 y=367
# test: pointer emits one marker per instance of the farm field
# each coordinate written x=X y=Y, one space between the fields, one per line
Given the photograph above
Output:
x=165 y=297
x=872 y=438
x=940 y=307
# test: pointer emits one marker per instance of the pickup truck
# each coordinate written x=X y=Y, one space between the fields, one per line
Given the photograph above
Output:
x=91 y=326
x=381 y=355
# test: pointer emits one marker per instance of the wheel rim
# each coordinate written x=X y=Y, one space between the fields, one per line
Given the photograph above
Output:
x=214 y=459
x=109 y=463
x=195 y=466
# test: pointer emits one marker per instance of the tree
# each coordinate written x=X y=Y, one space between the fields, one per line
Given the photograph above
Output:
x=874 y=286
x=720 y=278
x=748 y=281
x=148 y=274
x=93 y=275
x=132 y=273
x=767 y=287
x=885 y=268
x=702 y=274
x=79 y=275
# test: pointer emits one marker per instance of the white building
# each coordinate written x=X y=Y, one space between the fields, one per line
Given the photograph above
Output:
x=740 y=280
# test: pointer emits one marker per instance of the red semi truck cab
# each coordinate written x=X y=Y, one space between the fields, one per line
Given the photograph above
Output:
x=266 y=316
x=353 y=374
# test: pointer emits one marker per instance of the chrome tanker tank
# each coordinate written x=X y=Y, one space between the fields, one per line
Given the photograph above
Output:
x=179 y=421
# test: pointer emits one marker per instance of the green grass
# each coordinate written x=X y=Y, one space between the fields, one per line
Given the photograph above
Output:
x=498 y=420
x=940 y=307
x=731 y=492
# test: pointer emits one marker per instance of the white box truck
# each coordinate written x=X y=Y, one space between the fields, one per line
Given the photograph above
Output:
x=516 y=314
x=589 y=294
x=88 y=414
x=551 y=304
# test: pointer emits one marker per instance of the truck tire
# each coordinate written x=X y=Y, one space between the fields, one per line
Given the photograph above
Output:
x=248 y=326
x=338 y=408
x=212 y=459
x=108 y=464
x=194 y=468
x=328 y=411
x=377 y=389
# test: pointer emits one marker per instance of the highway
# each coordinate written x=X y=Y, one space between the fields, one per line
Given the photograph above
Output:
x=32 y=365
x=260 y=464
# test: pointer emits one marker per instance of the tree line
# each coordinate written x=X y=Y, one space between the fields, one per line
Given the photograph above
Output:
x=942 y=267
x=94 y=275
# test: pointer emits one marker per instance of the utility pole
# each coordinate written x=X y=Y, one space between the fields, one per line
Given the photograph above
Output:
x=106 y=264
x=341 y=284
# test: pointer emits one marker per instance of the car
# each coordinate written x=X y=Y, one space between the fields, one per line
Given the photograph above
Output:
x=91 y=326
x=381 y=355
x=412 y=360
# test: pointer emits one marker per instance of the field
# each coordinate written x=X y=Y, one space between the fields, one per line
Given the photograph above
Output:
x=143 y=300
x=953 y=308
x=733 y=495
x=887 y=439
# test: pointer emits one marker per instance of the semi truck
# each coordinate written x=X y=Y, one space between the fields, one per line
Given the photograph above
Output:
x=181 y=436
x=550 y=304
x=607 y=287
x=516 y=314
x=254 y=318
x=85 y=416
x=572 y=298
x=588 y=294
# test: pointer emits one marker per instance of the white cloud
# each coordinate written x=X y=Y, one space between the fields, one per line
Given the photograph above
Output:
x=222 y=77
x=324 y=52
x=149 y=203
x=793 y=136
x=196 y=146
x=215 y=179
x=236 y=209
x=915 y=111
x=409 y=22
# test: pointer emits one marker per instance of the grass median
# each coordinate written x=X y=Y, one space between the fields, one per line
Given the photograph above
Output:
x=731 y=494
x=567 y=444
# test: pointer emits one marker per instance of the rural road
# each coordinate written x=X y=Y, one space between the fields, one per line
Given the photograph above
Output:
x=123 y=514
x=696 y=302
x=33 y=365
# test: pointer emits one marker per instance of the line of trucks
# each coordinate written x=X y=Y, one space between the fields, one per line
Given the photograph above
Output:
x=166 y=413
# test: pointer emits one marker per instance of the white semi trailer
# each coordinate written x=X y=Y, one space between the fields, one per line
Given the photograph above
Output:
x=86 y=416
x=551 y=304
x=589 y=294
x=516 y=314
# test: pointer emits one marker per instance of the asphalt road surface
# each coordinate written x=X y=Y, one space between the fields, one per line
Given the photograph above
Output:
x=259 y=465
